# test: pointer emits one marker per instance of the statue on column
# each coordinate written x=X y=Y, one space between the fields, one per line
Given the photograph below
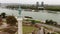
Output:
x=19 y=11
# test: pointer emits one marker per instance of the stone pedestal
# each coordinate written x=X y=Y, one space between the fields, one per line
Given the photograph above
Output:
x=19 y=25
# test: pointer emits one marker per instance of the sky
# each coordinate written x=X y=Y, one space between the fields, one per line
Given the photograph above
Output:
x=51 y=2
x=57 y=2
x=9 y=1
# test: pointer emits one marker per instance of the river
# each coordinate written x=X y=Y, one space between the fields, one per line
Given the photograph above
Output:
x=9 y=11
x=43 y=15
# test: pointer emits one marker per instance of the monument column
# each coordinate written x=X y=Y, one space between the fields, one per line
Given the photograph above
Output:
x=19 y=21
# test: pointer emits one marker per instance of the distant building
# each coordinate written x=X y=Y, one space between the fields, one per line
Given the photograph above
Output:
x=37 y=5
x=0 y=4
x=42 y=4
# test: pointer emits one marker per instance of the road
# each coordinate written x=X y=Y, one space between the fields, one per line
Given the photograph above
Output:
x=49 y=26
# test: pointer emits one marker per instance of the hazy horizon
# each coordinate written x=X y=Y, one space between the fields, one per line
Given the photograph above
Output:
x=50 y=2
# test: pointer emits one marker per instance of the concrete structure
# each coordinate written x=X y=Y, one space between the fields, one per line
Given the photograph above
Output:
x=19 y=22
x=19 y=25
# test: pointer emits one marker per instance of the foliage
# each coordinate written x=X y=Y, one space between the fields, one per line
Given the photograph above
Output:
x=51 y=22
x=33 y=22
x=13 y=6
x=3 y=15
x=53 y=8
x=11 y=20
x=37 y=21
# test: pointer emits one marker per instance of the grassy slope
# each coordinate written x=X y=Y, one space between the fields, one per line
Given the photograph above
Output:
x=28 y=29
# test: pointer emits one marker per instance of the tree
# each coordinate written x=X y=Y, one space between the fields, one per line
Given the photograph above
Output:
x=3 y=15
x=11 y=20
x=47 y=22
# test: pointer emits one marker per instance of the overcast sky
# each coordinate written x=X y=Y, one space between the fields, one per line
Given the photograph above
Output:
x=9 y=1
x=31 y=1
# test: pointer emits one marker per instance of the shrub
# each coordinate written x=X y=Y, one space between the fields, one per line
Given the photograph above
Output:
x=3 y=15
x=11 y=20
x=51 y=22
x=33 y=22
x=37 y=21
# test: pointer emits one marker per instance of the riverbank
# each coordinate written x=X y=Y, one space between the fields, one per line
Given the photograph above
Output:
x=52 y=8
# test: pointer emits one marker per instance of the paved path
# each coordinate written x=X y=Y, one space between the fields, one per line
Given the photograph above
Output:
x=49 y=26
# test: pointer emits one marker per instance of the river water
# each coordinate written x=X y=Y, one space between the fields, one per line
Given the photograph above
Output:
x=43 y=15
x=9 y=11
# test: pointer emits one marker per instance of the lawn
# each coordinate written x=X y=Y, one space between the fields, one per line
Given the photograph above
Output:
x=28 y=29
